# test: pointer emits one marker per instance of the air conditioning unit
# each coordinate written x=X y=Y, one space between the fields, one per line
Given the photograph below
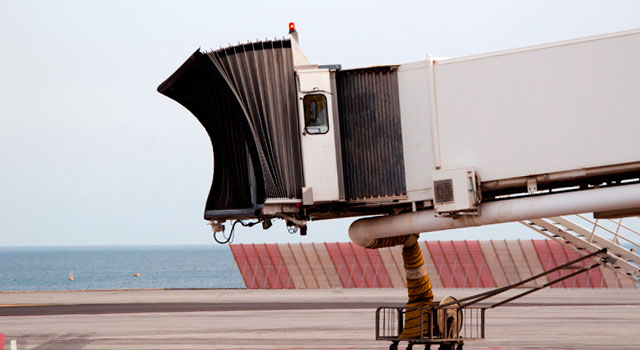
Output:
x=456 y=192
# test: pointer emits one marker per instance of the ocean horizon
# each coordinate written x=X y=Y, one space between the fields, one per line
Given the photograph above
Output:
x=42 y=268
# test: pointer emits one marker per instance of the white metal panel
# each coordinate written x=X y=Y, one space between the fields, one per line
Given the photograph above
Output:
x=415 y=110
x=335 y=119
x=543 y=109
x=299 y=59
x=319 y=153
x=313 y=80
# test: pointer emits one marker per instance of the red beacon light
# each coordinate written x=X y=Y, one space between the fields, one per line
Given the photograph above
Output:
x=292 y=27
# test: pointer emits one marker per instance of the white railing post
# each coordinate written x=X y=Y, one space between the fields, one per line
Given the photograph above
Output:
x=595 y=225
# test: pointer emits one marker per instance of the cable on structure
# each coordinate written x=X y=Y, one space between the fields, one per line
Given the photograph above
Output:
x=229 y=238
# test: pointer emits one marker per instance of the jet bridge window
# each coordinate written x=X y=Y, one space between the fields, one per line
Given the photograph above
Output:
x=316 y=120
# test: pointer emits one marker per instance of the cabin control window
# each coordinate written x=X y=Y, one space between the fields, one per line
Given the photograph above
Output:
x=316 y=116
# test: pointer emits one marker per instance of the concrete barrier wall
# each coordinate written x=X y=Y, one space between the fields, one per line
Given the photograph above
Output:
x=450 y=264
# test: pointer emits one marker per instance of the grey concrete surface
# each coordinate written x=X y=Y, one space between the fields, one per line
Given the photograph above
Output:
x=549 y=319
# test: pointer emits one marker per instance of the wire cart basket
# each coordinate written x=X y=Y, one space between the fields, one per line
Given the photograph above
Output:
x=451 y=322
x=447 y=325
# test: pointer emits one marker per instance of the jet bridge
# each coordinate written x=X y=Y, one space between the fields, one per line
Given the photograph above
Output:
x=522 y=134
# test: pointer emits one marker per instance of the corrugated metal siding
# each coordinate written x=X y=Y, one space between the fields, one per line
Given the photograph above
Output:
x=263 y=77
x=370 y=133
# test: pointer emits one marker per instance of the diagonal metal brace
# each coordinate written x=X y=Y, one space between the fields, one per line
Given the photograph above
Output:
x=470 y=300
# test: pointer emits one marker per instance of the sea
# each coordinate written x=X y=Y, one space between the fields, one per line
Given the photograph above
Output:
x=117 y=267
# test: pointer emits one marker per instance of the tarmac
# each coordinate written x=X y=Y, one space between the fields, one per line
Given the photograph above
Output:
x=301 y=319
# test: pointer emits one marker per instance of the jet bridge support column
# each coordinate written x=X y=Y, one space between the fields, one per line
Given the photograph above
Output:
x=420 y=293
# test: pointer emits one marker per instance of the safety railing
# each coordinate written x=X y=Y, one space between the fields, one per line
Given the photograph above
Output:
x=587 y=234
x=618 y=231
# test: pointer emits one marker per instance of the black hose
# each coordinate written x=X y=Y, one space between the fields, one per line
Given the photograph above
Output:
x=229 y=238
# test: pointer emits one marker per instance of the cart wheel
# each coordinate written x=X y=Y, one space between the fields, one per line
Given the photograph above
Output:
x=410 y=346
x=427 y=346
x=445 y=346
x=393 y=346
x=459 y=347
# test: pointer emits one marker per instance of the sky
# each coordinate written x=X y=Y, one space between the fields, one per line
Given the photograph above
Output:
x=91 y=154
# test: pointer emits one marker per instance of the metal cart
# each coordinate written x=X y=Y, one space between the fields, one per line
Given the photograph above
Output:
x=447 y=326
x=451 y=322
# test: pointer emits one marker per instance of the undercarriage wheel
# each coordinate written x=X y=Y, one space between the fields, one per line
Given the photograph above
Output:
x=393 y=346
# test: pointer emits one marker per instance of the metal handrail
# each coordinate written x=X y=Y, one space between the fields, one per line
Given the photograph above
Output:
x=615 y=234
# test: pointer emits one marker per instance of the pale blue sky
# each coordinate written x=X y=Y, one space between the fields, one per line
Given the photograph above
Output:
x=91 y=154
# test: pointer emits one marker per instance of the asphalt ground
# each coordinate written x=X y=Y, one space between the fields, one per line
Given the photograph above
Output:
x=128 y=308
x=300 y=319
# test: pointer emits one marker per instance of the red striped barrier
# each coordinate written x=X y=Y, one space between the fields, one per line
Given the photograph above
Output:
x=380 y=269
x=281 y=268
x=442 y=266
x=484 y=273
x=341 y=265
x=457 y=264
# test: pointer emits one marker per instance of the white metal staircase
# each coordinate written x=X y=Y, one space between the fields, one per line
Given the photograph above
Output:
x=588 y=235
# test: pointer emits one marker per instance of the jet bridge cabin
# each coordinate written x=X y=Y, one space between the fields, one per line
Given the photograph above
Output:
x=296 y=140
x=300 y=141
